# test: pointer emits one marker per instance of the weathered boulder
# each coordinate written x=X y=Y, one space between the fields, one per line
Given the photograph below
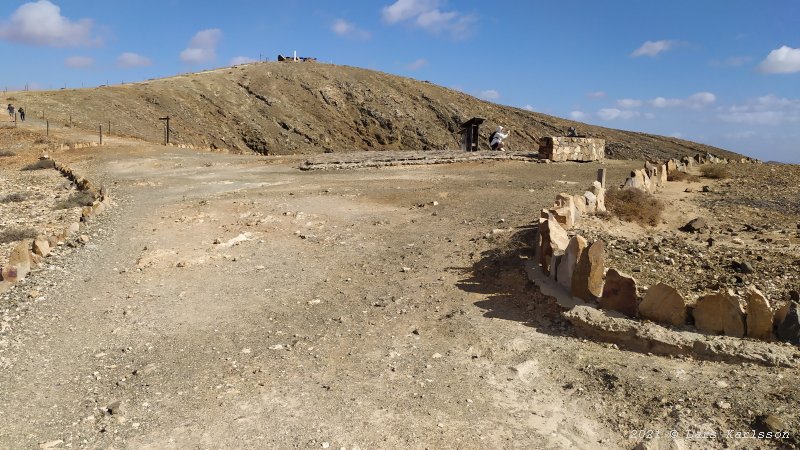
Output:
x=663 y=304
x=719 y=313
x=759 y=315
x=600 y=196
x=569 y=261
x=564 y=211
x=19 y=262
x=41 y=246
x=587 y=280
x=638 y=180
x=580 y=204
x=619 y=293
x=789 y=329
x=591 y=202
x=554 y=240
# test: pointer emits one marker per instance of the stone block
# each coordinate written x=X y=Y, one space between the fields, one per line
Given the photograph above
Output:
x=759 y=315
x=619 y=293
x=663 y=304
x=558 y=148
x=719 y=313
x=587 y=280
x=569 y=261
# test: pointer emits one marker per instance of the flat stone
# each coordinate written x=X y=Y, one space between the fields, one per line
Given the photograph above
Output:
x=719 y=313
x=587 y=280
x=663 y=304
x=569 y=261
x=619 y=293
x=759 y=315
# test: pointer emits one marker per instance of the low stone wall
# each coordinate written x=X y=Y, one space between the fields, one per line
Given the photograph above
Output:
x=29 y=253
x=558 y=148
x=578 y=267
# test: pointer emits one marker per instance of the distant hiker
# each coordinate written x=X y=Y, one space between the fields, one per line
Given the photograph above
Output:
x=496 y=139
x=22 y=114
x=571 y=132
x=10 y=110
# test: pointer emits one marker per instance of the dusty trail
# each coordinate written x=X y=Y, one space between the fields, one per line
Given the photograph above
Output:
x=233 y=302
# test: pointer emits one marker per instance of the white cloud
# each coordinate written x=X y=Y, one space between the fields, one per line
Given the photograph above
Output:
x=427 y=15
x=346 y=29
x=596 y=94
x=676 y=134
x=577 y=115
x=653 y=48
x=418 y=64
x=79 y=62
x=489 y=94
x=769 y=110
x=696 y=101
x=236 y=60
x=129 y=60
x=528 y=108
x=629 y=103
x=782 y=60
x=203 y=47
x=614 y=113
x=41 y=23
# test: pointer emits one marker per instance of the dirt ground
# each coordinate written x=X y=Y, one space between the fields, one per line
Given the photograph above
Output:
x=237 y=302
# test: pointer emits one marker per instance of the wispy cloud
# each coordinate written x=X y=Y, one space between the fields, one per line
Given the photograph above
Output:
x=578 y=115
x=130 y=60
x=768 y=110
x=203 y=47
x=41 y=23
x=596 y=95
x=347 y=29
x=79 y=62
x=528 y=108
x=236 y=60
x=695 y=101
x=629 y=103
x=489 y=94
x=653 y=48
x=428 y=15
x=781 y=60
x=418 y=64
x=614 y=114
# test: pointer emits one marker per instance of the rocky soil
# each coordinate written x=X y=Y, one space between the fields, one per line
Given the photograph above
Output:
x=237 y=302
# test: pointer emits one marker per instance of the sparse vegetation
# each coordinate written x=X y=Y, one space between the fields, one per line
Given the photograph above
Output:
x=41 y=164
x=634 y=205
x=682 y=176
x=6 y=153
x=16 y=234
x=76 y=200
x=15 y=197
x=715 y=171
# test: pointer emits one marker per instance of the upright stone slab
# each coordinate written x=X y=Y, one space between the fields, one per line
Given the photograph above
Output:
x=789 y=328
x=564 y=210
x=569 y=261
x=600 y=196
x=591 y=202
x=601 y=177
x=587 y=280
x=19 y=262
x=580 y=204
x=663 y=304
x=662 y=174
x=554 y=241
x=719 y=313
x=759 y=315
x=619 y=293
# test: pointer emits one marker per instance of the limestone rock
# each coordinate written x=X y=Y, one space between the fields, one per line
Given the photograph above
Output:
x=759 y=315
x=559 y=148
x=789 y=329
x=591 y=201
x=569 y=261
x=19 y=262
x=663 y=304
x=619 y=293
x=587 y=280
x=41 y=247
x=600 y=196
x=580 y=204
x=695 y=225
x=719 y=313
x=554 y=240
x=565 y=211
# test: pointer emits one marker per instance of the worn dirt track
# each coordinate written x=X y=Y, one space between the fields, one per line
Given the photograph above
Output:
x=237 y=302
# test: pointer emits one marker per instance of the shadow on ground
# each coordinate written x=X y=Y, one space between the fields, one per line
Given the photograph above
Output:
x=499 y=274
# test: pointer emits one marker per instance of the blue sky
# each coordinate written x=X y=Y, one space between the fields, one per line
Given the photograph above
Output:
x=723 y=72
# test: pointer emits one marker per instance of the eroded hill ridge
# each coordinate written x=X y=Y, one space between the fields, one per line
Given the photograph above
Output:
x=306 y=108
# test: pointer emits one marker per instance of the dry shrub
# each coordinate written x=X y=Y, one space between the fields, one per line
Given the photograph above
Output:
x=41 y=164
x=76 y=200
x=15 y=197
x=634 y=205
x=6 y=153
x=682 y=176
x=16 y=234
x=716 y=171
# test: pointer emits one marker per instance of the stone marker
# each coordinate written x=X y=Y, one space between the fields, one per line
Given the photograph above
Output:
x=619 y=293
x=19 y=262
x=601 y=177
x=664 y=304
x=600 y=196
x=591 y=202
x=759 y=315
x=569 y=261
x=41 y=246
x=587 y=280
x=554 y=241
x=789 y=329
x=580 y=204
x=565 y=211
x=719 y=313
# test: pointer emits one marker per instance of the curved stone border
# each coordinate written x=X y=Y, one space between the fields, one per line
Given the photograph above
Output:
x=30 y=252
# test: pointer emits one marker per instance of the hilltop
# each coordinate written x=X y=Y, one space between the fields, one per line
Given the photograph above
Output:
x=306 y=108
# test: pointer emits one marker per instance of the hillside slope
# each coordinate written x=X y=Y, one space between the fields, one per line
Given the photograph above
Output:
x=284 y=108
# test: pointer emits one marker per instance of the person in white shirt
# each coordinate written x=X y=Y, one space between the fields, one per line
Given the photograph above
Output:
x=496 y=139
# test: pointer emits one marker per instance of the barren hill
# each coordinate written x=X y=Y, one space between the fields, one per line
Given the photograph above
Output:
x=285 y=108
